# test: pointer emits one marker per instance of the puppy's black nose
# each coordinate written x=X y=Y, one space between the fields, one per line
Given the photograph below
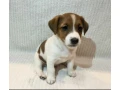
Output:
x=74 y=40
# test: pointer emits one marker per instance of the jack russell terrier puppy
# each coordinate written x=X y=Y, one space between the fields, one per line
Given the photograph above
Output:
x=62 y=46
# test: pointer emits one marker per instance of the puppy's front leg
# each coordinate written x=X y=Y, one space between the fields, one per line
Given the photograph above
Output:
x=50 y=72
x=70 y=65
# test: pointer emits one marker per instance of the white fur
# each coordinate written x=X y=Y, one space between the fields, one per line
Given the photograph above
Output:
x=71 y=35
x=56 y=52
x=73 y=19
x=38 y=65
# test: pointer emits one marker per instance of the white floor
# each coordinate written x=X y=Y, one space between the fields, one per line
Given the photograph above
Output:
x=22 y=76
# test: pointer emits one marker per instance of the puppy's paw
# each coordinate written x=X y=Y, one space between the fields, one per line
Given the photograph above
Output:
x=43 y=76
x=50 y=80
x=72 y=74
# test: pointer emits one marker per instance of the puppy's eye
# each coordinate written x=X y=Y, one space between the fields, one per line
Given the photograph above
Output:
x=65 y=27
x=79 y=28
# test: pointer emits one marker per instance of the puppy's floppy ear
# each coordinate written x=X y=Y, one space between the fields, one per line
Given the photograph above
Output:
x=53 y=23
x=85 y=25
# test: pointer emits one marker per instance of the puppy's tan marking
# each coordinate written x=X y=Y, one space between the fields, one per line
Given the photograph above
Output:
x=42 y=47
x=41 y=58
x=65 y=20
x=80 y=21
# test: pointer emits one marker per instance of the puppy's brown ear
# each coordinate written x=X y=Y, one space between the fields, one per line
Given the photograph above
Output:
x=85 y=25
x=53 y=23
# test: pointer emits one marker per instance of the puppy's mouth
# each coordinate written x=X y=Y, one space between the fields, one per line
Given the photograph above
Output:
x=72 y=45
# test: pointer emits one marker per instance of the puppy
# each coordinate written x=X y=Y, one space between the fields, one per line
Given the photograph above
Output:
x=62 y=46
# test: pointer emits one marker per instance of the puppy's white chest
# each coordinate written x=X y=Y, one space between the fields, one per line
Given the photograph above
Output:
x=64 y=56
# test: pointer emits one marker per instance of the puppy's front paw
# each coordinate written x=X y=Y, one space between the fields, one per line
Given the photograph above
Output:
x=50 y=80
x=72 y=74
x=43 y=76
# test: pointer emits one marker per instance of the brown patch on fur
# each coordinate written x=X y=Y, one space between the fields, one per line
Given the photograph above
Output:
x=42 y=47
x=53 y=23
x=59 y=21
x=80 y=21
x=85 y=25
x=41 y=58
x=65 y=20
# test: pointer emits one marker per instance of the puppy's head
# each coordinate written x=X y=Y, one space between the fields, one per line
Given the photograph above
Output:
x=69 y=28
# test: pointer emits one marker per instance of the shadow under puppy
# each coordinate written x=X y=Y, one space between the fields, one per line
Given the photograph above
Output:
x=62 y=46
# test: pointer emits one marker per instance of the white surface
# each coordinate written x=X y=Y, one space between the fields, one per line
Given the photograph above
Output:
x=22 y=76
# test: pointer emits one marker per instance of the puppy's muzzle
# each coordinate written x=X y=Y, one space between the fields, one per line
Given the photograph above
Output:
x=74 y=41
